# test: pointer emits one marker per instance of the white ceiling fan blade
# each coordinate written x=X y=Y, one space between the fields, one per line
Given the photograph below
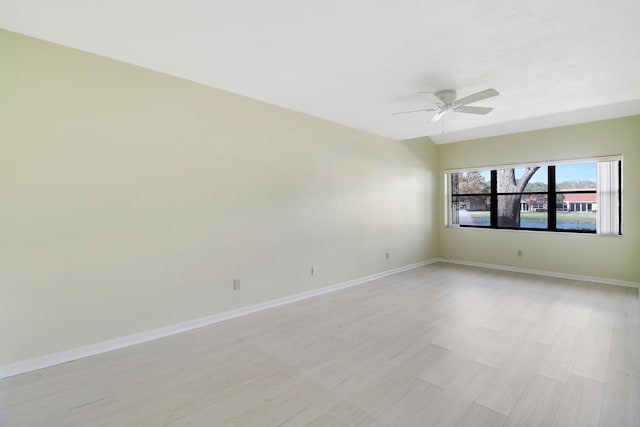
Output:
x=431 y=97
x=479 y=96
x=472 y=110
x=437 y=116
x=414 y=111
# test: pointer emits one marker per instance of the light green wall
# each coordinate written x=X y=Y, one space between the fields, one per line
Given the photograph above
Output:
x=598 y=256
x=131 y=199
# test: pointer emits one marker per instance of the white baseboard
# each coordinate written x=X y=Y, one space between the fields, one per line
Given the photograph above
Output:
x=545 y=273
x=103 y=347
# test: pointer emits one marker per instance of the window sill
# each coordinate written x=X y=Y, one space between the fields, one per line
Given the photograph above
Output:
x=563 y=233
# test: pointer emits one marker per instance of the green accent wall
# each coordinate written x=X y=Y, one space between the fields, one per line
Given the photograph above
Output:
x=609 y=257
x=132 y=199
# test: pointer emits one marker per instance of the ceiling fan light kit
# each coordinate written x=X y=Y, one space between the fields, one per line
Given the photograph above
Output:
x=445 y=101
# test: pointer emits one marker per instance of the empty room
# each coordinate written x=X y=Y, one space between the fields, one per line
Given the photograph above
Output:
x=296 y=213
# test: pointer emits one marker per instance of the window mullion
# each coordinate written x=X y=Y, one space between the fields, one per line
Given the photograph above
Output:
x=620 y=197
x=551 y=211
x=494 y=199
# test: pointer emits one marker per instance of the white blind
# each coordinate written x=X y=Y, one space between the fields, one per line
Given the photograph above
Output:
x=451 y=215
x=607 y=213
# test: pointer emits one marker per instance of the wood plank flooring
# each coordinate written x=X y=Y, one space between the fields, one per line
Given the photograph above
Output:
x=442 y=345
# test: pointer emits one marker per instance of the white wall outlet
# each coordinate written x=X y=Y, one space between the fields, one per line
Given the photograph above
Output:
x=236 y=284
x=387 y=255
x=520 y=252
x=314 y=271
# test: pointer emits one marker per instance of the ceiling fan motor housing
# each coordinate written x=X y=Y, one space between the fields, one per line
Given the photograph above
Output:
x=448 y=97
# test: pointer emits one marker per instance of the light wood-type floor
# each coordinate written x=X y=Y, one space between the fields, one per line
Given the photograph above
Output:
x=439 y=345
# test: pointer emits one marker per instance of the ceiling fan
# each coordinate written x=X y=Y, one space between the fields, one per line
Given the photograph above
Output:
x=445 y=100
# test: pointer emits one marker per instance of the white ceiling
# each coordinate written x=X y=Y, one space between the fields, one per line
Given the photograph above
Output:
x=355 y=62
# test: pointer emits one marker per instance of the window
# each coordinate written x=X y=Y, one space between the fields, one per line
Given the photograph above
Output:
x=580 y=196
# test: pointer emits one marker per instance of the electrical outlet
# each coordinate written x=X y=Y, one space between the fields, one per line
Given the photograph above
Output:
x=387 y=255
x=520 y=252
x=314 y=272
x=236 y=284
